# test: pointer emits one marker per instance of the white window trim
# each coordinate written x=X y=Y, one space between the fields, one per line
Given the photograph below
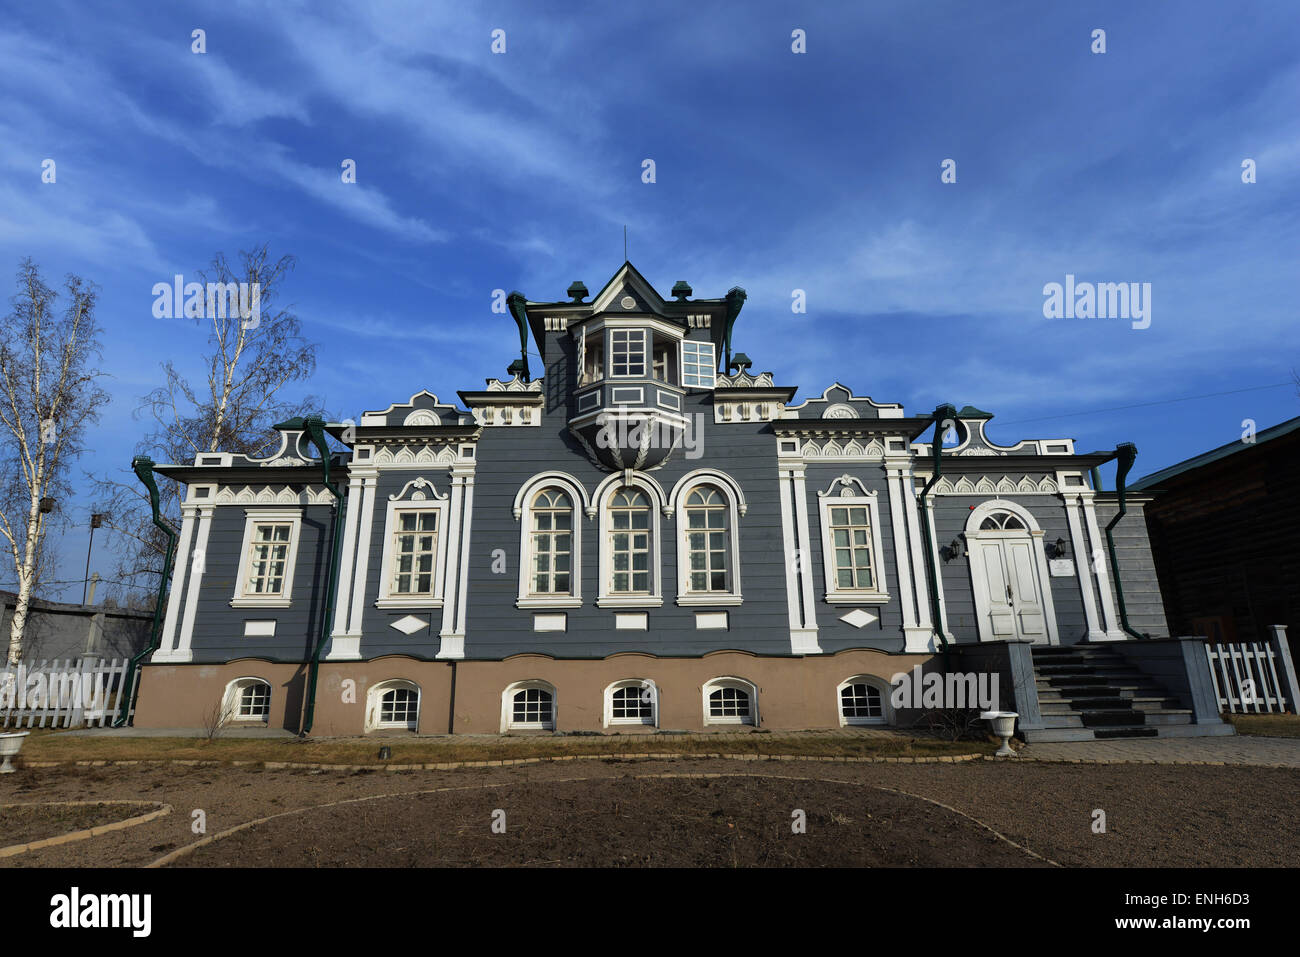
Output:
x=846 y=498
x=263 y=516
x=886 y=706
x=400 y=503
x=230 y=701
x=712 y=367
x=658 y=506
x=736 y=507
x=374 y=703
x=508 y=707
x=642 y=685
x=646 y=364
x=731 y=682
x=523 y=506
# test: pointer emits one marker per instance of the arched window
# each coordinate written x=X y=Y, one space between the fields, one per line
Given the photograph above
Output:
x=730 y=701
x=630 y=543
x=1001 y=521
x=633 y=701
x=864 y=699
x=393 y=704
x=247 y=699
x=551 y=544
x=528 y=706
x=549 y=507
x=708 y=504
x=706 y=541
x=629 y=511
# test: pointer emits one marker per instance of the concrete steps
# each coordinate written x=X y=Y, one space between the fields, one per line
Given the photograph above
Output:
x=1090 y=692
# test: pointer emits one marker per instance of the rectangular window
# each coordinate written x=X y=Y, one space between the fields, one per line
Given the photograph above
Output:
x=591 y=358
x=552 y=551
x=631 y=552
x=415 y=549
x=627 y=352
x=698 y=365
x=268 y=557
x=851 y=541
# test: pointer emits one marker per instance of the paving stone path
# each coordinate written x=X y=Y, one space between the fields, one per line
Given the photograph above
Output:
x=1238 y=749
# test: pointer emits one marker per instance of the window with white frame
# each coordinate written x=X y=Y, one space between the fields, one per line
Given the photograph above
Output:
x=634 y=701
x=551 y=544
x=247 y=700
x=268 y=557
x=415 y=551
x=415 y=548
x=393 y=705
x=629 y=543
x=627 y=352
x=730 y=701
x=528 y=706
x=698 y=364
x=851 y=545
x=863 y=700
x=706 y=534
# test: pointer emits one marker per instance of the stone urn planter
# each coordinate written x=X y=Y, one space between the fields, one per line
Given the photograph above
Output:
x=11 y=742
x=1003 y=724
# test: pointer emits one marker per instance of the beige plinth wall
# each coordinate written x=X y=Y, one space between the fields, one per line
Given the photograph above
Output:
x=793 y=693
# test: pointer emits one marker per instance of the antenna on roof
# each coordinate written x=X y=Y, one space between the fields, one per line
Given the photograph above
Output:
x=625 y=243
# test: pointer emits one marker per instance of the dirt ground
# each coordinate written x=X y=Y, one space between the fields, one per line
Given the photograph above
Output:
x=621 y=813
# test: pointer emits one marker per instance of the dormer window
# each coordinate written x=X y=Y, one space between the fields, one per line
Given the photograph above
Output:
x=698 y=365
x=627 y=352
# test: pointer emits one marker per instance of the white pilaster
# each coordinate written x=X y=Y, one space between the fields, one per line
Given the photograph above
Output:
x=794 y=559
x=183 y=652
x=1100 y=564
x=922 y=583
x=805 y=641
x=167 y=644
x=1082 y=566
x=902 y=549
x=366 y=519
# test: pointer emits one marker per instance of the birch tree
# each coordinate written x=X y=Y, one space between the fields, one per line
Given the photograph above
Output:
x=48 y=396
x=247 y=371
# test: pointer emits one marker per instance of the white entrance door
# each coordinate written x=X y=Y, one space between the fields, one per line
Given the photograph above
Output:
x=1012 y=587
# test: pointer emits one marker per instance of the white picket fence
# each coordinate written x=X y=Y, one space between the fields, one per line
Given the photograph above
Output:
x=1245 y=677
x=50 y=694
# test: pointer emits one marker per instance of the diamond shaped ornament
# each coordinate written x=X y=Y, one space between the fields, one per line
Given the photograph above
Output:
x=410 y=624
x=858 y=618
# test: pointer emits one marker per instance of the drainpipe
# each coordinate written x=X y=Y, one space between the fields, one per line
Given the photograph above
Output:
x=735 y=302
x=941 y=414
x=517 y=304
x=143 y=468
x=1126 y=452
x=315 y=427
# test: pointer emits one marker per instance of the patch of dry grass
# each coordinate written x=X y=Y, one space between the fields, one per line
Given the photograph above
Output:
x=63 y=747
x=1266 y=725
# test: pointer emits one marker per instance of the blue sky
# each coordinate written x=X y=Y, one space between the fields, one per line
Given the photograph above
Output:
x=776 y=171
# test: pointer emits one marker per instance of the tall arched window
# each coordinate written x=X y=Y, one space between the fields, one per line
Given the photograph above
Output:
x=549 y=507
x=630 y=543
x=707 y=550
x=551 y=544
x=708 y=504
x=393 y=704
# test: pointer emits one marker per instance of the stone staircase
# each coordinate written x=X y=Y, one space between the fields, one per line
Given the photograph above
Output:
x=1090 y=692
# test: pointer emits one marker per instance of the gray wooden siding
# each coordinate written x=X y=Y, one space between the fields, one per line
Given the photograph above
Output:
x=1146 y=611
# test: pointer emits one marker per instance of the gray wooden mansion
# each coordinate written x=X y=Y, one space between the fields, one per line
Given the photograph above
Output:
x=646 y=534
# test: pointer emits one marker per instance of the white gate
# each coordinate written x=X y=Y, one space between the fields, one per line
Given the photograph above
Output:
x=1245 y=676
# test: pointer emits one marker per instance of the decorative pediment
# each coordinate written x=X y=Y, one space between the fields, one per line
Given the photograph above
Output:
x=418 y=490
x=423 y=455
x=846 y=483
x=268 y=495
